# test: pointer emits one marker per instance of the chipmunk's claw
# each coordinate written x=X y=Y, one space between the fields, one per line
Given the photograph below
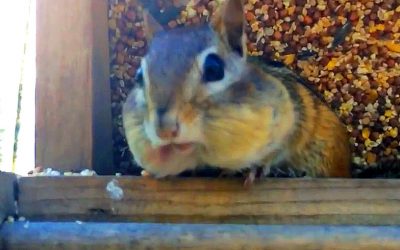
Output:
x=250 y=177
x=255 y=172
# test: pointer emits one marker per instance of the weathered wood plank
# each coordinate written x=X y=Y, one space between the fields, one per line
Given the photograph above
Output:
x=7 y=189
x=46 y=236
x=73 y=122
x=289 y=201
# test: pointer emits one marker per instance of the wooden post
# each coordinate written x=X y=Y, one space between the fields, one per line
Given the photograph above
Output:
x=73 y=110
x=7 y=195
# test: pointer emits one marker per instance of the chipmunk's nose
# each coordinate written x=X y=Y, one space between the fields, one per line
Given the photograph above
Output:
x=167 y=134
x=168 y=128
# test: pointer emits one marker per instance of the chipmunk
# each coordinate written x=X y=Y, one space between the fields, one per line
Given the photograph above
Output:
x=201 y=100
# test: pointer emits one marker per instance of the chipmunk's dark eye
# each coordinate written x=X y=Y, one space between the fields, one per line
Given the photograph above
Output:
x=139 y=77
x=213 y=69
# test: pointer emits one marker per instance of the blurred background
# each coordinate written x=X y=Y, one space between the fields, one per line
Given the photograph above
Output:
x=17 y=85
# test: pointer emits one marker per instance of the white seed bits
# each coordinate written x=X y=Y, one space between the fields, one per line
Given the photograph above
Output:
x=114 y=191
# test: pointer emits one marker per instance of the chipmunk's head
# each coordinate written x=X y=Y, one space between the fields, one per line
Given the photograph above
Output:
x=184 y=69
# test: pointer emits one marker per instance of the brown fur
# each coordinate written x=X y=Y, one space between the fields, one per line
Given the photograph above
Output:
x=321 y=147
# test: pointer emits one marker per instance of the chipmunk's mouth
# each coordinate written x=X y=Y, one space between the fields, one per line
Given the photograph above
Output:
x=178 y=147
x=171 y=151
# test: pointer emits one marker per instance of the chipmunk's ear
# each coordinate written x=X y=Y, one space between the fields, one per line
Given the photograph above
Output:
x=150 y=25
x=229 y=23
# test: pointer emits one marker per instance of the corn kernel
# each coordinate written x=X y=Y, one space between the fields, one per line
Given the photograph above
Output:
x=380 y=27
x=389 y=113
x=288 y=59
x=365 y=133
x=291 y=10
x=332 y=64
x=255 y=26
x=392 y=46
x=394 y=132
x=371 y=157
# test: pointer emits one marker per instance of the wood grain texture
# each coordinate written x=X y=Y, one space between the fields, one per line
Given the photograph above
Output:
x=46 y=236
x=281 y=201
x=72 y=78
x=7 y=189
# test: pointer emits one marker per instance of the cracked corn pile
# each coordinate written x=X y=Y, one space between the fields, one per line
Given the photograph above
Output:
x=349 y=51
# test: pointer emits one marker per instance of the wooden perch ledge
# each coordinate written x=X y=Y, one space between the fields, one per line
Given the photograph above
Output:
x=276 y=201
x=87 y=213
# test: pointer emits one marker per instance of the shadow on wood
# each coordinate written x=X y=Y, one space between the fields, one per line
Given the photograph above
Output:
x=276 y=201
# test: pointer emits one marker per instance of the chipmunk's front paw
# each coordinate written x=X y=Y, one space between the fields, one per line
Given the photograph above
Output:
x=250 y=177
x=253 y=173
